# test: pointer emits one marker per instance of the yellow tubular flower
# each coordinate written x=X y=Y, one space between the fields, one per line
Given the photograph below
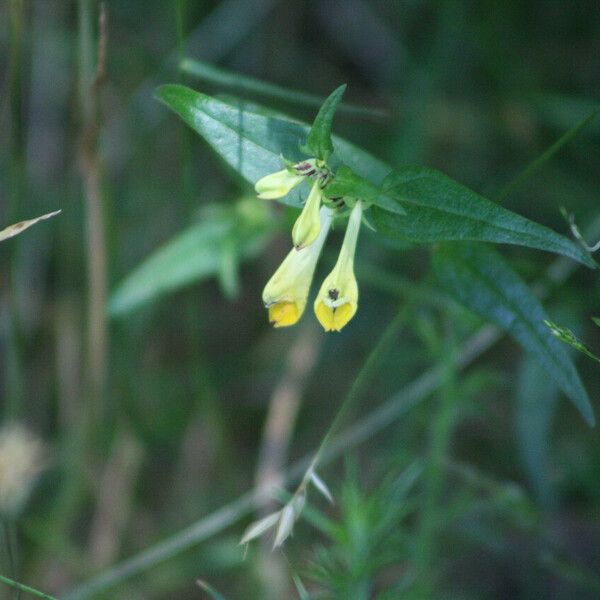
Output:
x=308 y=225
x=337 y=300
x=286 y=293
x=278 y=184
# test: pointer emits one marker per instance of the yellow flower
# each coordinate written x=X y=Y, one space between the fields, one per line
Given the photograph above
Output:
x=286 y=293
x=337 y=300
x=278 y=184
x=308 y=225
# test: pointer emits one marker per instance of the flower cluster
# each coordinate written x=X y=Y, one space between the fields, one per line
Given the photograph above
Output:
x=286 y=294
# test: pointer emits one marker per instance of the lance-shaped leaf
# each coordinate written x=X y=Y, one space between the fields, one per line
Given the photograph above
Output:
x=479 y=278
x=256 y=144
x=212 y=247
x=318 y=142
x=441 y=209
x=17 y=228
x=536 y=400
x=347 y=184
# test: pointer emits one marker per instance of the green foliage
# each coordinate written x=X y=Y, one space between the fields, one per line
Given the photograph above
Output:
x=318 y=141
x=369 y=535
x=348 y=184
x=210 y=590
x=479 y=278
x=536 y=403
x=438 y=208
x=214 y=246
x=242 y=83
x=148 y=485
x=254 y=144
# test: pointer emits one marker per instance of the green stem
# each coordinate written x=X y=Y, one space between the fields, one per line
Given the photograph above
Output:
x=545 y=156
x=242 y=83
x=25 y=588
x=10 y=542
x=441 y=437
x=360 y=382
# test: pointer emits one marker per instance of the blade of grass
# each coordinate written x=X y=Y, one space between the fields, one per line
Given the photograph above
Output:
x=25 y=588
x=92 y=77
x=444 y=421
x=243 y=83
x=547 y=155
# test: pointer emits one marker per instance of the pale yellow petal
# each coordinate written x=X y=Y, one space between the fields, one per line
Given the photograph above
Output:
x=276 y=185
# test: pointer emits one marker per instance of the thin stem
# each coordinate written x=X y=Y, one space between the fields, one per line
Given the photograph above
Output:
x=441 y=436
x=243 y=83
x=545 y=156
x=359 y=383
x=13 y=134
x=10 y=542
x=90 y=81
x=21 y=587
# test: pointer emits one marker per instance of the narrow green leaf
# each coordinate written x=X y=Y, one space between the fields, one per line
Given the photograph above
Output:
x=210 y=590
x=25 y=588
x=302 y=592
x=549 y=153
x=479 y=278
x=318 y=142
x=441 y=209
x=536 y=402
x=596 y=320
x=348 y=184
x=243 y=83
x=196 y=253
x=256 y=144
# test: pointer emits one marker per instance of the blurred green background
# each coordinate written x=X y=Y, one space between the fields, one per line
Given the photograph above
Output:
x=153 y=418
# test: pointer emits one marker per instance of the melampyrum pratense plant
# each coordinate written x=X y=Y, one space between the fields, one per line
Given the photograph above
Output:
x=330 y=179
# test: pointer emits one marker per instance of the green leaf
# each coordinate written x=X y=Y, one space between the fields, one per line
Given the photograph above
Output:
x=437 y=207
x=318 y=142
x=536 y=402
x=200 y=251
x=596 y=320
x=237 y=81
x=210 y=590
x=441 y=209
x=348 y=184
x=479 y=278
x=255 y=144
x=302 y=592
